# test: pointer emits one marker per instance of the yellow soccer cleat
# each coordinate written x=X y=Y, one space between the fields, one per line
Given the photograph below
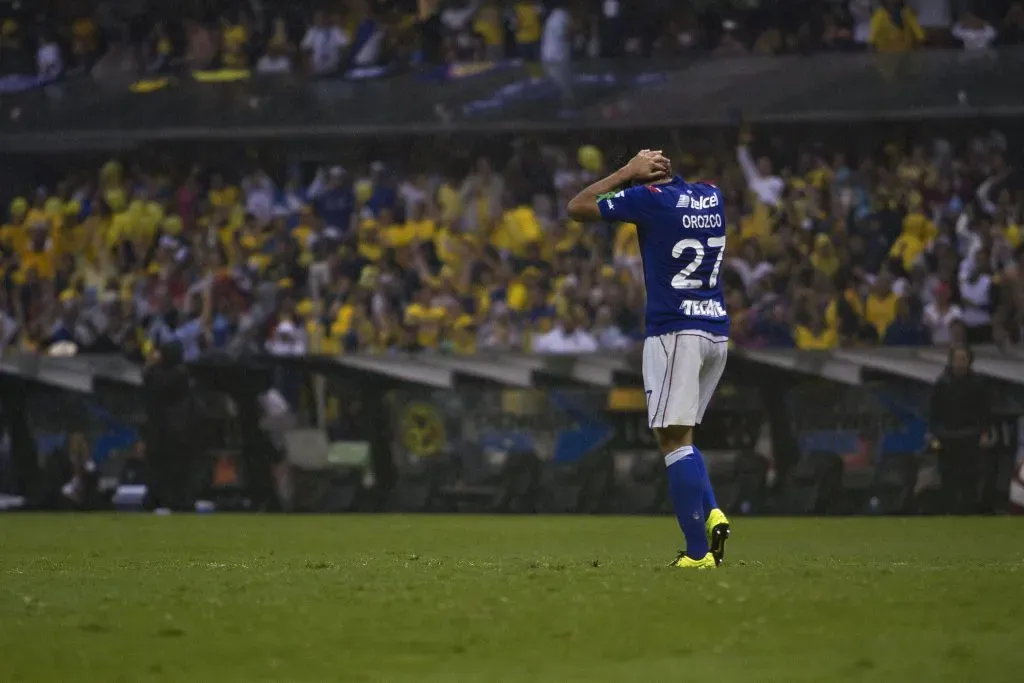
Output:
x=717 y=527
x=684 y=562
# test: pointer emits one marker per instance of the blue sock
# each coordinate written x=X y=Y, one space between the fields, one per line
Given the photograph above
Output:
x=709 y=493
x=686 y=487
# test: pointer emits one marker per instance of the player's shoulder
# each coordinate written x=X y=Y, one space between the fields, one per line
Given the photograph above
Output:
x=650 y=196
x=651 y=191
x=708 y=186
x=663 y=193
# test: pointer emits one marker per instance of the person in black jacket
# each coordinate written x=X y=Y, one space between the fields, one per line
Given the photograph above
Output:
x=168 y=390
x=959 y=423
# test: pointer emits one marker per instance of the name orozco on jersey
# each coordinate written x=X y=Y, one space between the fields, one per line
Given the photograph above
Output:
x=703 y=309
x=702 y=220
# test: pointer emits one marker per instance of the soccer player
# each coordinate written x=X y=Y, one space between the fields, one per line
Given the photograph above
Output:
x=681 y=227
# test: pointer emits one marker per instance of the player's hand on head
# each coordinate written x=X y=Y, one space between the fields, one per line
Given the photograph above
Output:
x=648 y=166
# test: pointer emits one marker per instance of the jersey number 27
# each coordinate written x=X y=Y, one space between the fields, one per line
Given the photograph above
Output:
x=682 y=280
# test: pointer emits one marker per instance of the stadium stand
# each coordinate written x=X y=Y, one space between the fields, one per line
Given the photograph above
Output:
x=903 y=246
x=907 y=240
x=324 y=39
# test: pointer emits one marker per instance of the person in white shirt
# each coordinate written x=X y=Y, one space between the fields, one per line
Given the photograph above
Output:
x=287 y=340
x=555 y=44
x=973 y=32
x=609 y=335
x=457 y=20
x=767 y=187
x=324 y=43
x=274 y=62
x=860 y=12
x=259 y=192
x=750 y=265
x=49 y=61
x=940 y=315
x=566 y=337
x=976 y=294
x=556 y=50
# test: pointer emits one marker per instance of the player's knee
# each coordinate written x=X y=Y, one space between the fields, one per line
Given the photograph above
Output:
x=673 y=438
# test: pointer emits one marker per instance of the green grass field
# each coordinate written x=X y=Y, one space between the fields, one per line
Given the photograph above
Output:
x=538 y=599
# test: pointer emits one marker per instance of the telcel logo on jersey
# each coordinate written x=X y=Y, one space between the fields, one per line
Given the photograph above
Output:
x=703 y=309
x=697 y=203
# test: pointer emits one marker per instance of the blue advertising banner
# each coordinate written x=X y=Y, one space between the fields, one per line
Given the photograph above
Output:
x=862 y=425
x=16 y=83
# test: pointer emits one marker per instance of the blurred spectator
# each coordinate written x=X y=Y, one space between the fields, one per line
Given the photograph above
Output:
x=201 y=47
x=489 y=26
x=881 y=305
x=973 y=32
x=368 y=38
x=1011 y=30
x=934 y=17
x=234 y=41
x=85 y=41
x=529 y=24
x=274 y=62
x=555 y=44
x=959 y=422
x=940 y=315
x=134 y=472
x=813 y=334
x=500 y=332
x=906 y=329
x=49 y=60
x=730 y=44
x=609 y=336
x=773 y=329
x=976 y=292
x=287 y=339
x=610 y=31
x=463 y=42
x=323 y=45
x=280 y=41
x=835 y=33
x=70 y=478
x=566 y=336
x=160 y=49
x=766 y=187
x=861 y=12
x=80 y=490
x=894 y=28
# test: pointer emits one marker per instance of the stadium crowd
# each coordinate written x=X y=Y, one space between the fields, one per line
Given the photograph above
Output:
x=324 y=38
x=904 y=245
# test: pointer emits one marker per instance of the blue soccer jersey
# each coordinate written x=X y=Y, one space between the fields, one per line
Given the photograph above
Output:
x=681 y=227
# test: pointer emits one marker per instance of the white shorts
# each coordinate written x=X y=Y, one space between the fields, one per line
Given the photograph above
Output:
x=681 y=371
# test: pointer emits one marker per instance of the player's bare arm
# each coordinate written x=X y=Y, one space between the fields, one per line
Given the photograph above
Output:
x=646 y=167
